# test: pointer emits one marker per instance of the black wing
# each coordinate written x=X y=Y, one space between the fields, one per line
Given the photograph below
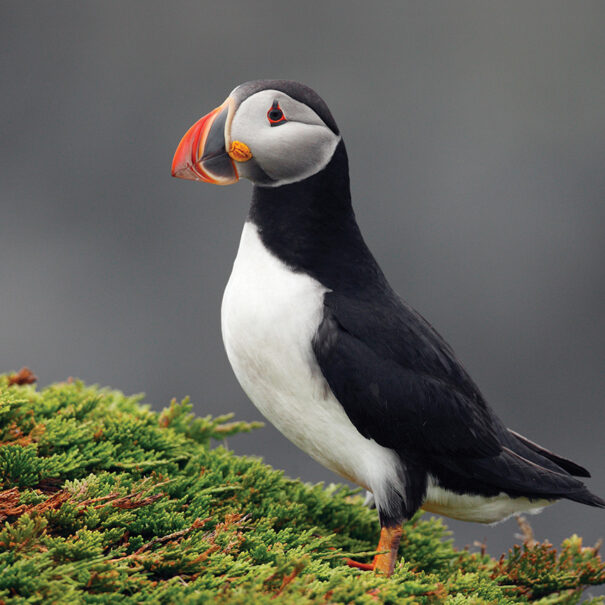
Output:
x=399 y=382
x=401 y=385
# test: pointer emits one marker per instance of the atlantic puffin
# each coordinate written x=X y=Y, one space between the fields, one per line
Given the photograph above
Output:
x=329 y=353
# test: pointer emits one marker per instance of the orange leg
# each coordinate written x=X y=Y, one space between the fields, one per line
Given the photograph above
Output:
x=389 y=541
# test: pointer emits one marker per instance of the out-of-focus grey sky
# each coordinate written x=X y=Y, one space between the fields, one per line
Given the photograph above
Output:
x=476 y=137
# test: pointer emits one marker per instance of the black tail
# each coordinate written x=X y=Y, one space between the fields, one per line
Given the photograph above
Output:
x=545 y=458
x=518 y=473
x=571 y=467
x=586 y=497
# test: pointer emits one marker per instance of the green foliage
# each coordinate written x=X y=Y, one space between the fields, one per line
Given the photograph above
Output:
x=105 y=501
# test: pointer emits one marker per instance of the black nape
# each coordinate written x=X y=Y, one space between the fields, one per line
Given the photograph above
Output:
x=310 y=225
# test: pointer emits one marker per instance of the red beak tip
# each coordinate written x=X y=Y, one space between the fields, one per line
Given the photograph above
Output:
x=185 y=172
x=188 y=162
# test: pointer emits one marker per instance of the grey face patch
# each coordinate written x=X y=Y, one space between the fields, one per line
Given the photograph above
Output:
x=295 y=90
x=254 y=173
x=299 y=148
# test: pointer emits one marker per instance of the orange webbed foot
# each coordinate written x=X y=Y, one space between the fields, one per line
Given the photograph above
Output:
x=384 y=562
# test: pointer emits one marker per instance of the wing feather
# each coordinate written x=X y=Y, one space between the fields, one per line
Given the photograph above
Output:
x=401 y=385
x=401 y=407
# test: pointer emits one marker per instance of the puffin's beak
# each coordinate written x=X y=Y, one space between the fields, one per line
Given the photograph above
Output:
x=202 y=154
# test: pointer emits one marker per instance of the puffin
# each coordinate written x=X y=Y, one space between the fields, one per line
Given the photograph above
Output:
x=330 y=354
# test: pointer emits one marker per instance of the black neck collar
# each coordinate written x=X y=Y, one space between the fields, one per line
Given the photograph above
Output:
x=310 y=225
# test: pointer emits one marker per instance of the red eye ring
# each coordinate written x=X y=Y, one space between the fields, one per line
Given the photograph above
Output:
x=275 y=115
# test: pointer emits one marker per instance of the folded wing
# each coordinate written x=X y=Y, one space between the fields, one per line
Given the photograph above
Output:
x=401 y=385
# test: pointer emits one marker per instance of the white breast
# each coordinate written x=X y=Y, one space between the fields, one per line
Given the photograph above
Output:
x=269 y=317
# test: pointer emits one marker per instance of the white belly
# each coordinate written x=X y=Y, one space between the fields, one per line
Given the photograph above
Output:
x=269 y=317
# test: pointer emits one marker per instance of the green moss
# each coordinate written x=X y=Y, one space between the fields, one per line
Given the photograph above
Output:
x=105 y=501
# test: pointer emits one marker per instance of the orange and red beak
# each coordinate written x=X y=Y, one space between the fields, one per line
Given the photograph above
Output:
x=202 y=154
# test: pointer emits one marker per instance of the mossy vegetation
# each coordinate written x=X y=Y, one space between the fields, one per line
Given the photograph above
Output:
x=105 y=501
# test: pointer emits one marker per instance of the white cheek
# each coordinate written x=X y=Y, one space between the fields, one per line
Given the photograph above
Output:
x=293 y=151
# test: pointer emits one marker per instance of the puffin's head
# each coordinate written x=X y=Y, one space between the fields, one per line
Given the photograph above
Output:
x=272 y=132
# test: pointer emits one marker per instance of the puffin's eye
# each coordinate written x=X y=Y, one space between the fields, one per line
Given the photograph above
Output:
x=275 y=115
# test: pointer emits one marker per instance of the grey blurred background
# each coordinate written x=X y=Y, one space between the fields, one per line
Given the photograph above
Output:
x=476 y=136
